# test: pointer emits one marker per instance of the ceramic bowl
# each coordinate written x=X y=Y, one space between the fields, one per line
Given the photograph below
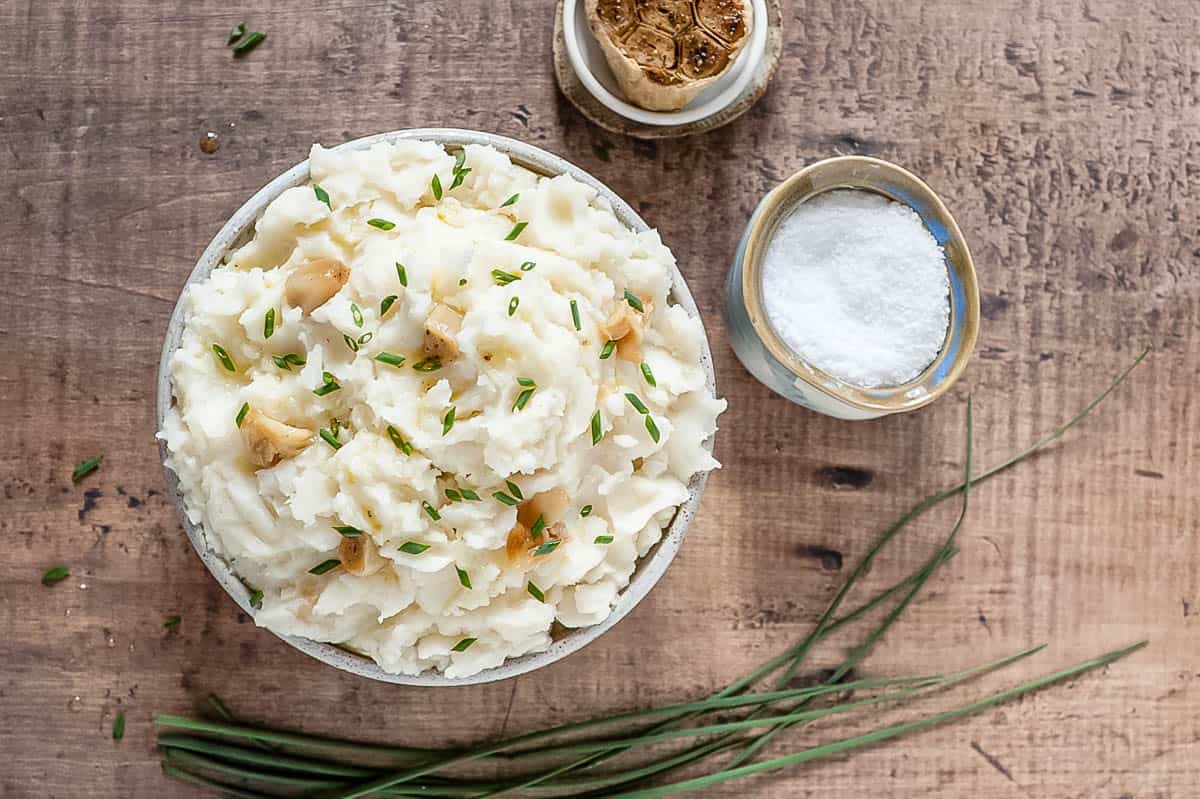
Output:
x=649 y=570
x=763 y=352
x=590 y=65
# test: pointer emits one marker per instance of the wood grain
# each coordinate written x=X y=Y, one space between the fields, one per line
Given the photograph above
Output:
x=1065 y=134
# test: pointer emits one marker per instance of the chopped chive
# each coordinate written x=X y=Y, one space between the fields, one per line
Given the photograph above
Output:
x=585 y=511
x=506 y=499
x=356 y=314
x=351 y=343
x=428 y=365
x=464 y=578
x=535 y=592
x=652 y=428
x=471 y=495
x=399 y=441
x=223 y=358
x=436 y=184
x=448 y=421
x=286 y=362
x=607 y=349
x=330 y=385
x=636 y=403
x=413 y=547
x=516 y=231
x=459 y=160
x=512 y=305
x=546 y=548
x=365 y=337
x=523 y=399
x=322 y=195
x=462 y=281
x=118 y=728
x=55 y=575
x=459 y=176
x=528 y=382
x=85 y=468
x=249 y=43
x=237 y=33
x=433 y=514
x=330 y=438
x=390 y=359
x=402 y=273
x=269 y=323
x=256 y=600
x=514 y=489
x=171 y=622
x=603 y=539
x=241 y=414
x=335 y=425
x=535 y=532
x=510 y=200
x=382 y=224
x=646 y=373
x=386 y=304
x=528 y=266
x=325 y=565
x=463 y=645
x=634 y=301
x=282 y=363
x=453 y=495
x=503 y=278
x=597 y=432
x=348 y=531
x=575 y=315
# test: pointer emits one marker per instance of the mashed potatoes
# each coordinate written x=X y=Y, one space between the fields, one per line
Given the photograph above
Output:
x=398 y=415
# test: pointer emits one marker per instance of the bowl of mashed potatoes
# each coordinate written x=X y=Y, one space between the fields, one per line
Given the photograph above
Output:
x=437 y=407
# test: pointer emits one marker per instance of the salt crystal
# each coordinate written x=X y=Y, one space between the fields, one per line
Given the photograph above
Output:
x=856 y=286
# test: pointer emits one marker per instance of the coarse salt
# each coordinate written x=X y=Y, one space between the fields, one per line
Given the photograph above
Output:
x=856 y=286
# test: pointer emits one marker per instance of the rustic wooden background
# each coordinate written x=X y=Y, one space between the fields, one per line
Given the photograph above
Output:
x=1065 y=135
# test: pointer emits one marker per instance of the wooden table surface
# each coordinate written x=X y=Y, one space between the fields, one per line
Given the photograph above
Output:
x=1065 y=136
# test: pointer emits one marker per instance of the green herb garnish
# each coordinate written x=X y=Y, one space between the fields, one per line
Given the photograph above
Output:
x=506 y=499
x=427 y=365
x=269 y=323
x=652 y=428
x=365 y=337
x=546 y=548
x=386 y=304
x=516 y=231
x=646 y=373
x=539 y=526
x=171 y=622
x=399 y=441
x=322 y=195
x=603 y=539
x=634 y=301
x=238 y=32
x=241 y=414
x=510 y=200
x=585 y=511
x=433 y=514
x=463 y=645
x=223 y=358
x=636 y=403
x=448 y=421
x=286 y=362
x=535 y=592
x=329 y=386
x=514 y=489
x=607 y=349
x=402 y=273
x=597 y=431
x=382 y=224
x=330 y=438
x=512 y=305
x=413 y=547
x=85 y=468
x=575 y=315
x=436 y=184
x=249 y=43
x=325 y=566
x=356 y=314
x=503 y=278
x=464 y=577
x=118 y=727
x=390 y=359
x=351 y=343
x=528 y=266
x=471 y=495
x=55 y=575
x=454 y=495
x=348 y=531
x=256 y=600
x=523 y=399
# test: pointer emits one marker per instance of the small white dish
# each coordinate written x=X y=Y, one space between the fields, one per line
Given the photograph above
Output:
x=591 y=67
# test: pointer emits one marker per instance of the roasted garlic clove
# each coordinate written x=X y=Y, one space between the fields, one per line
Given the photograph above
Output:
x=626 y=326
x=441 y=328
x=359 y=555
x=311 y=286
x=271 y=441
x=550 y=505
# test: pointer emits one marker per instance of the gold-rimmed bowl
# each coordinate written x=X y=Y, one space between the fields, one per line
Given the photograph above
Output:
x=759 y=346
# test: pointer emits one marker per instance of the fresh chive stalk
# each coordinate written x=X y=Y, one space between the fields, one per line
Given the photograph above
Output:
x=286 y=362
x=539 y=526
x=603 y=539
x=652 y=428
x=269 y=323
x=597 y=431
x=399 y=441
x=390 y=359
x=386 y=304
x=241 y=414
x=356 y=314
x=223 y=358
x=637 y=403
x=381 y=224
x=350 y=343
x=585 y=511
x=322 y=195
x=448 y=421
x=325 y=566
x=575 y=315
x=512 y=305
x=514 y=489
x=402 y=273
x=528 y=266
x=648 y=375
x=249 y=43
x=470 y=495
x=546 y=548
x=348 y=531
x=238 y=32
x=516 y=231
x=607 y=350
x=427 y=365
x=413 y=547
x=510 y=200
x=507 y=499
x=118 y=726
x=54 y=575
x=535 y=592
x=330 y=438
x=432 y=511
x=503 y=278
x=256 y=600
x=464 y=577
x=85 y=468
x=634 y=301
x=329 y=385
x=463 y=645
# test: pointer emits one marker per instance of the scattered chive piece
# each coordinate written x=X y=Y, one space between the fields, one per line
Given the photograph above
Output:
x=600 y=150
x=535 y=592
x=471 y=495
x=256 y=600
x=528 y=382
x=322 y=195
x=433 y=514
x=448 y=421
x=335 y=425
x=428 y=365
x=506 y=499
x=514 y=489
x=365 y=337
x=528 y=266
x=538 y=526
x=386 y=304
x=523 y=399
x=636 y=403
x=462 y=281
x=84 y=469
x=249 y=43
x=516 y=231
x=459 y=175
x=330 y=439
x=646 y=373
x=503 y=278
x=330 y=385
x=223 y=358
x=546 y=548
x=437 y=187
x=118 y=728
x=603 y=539
x=382 y=224
x=634 y=301
x=585 y=511
x=325 y=565
x=171 y=622
x=351 y=343
x=241 y=414
x=237 y=33
x=348 y=531
x=510 y=200
x=607 y=349
x=269 y=323
x=286 y=362
x=55 y=575
x=356 y=314
x=453 y=495
x=652 y=428
x=575 y=315
x=464 y=578
x=460 y=159
x=512 y=305
x=413 y=547
x=597 y=432
x=463 y=645
x=399 y=441
x=390 y=359
x=402 y=273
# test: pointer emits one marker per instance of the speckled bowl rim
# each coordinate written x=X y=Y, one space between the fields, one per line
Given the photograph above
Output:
x=649 y=568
